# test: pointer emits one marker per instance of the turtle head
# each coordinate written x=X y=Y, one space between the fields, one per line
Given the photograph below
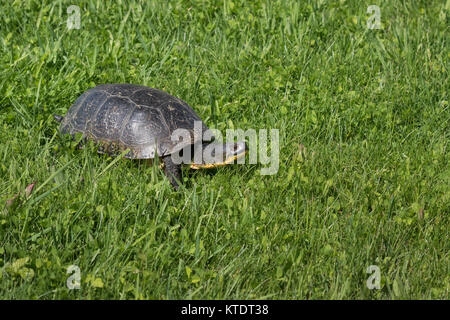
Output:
x=220 y=154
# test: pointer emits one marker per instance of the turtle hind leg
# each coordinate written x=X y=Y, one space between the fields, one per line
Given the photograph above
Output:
x=172 y=171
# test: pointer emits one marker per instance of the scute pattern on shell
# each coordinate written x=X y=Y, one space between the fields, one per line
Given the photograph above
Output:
x=134 y=117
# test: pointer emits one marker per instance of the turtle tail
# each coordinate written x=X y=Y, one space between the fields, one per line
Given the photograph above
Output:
x=58 y=118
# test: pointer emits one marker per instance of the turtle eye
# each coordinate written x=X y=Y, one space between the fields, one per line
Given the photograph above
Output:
x=235 y=148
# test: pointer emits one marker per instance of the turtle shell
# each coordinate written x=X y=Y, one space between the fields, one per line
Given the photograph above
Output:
x=134 y=117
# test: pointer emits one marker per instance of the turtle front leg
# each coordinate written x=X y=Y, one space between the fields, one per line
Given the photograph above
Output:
x=172 y=171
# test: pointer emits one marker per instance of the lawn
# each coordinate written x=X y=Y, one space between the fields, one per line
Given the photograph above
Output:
x=363 y=179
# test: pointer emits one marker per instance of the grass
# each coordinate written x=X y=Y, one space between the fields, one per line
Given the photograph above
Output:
x=363 y=180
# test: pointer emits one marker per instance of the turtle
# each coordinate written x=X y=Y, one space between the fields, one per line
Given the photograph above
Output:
x=141 y=122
